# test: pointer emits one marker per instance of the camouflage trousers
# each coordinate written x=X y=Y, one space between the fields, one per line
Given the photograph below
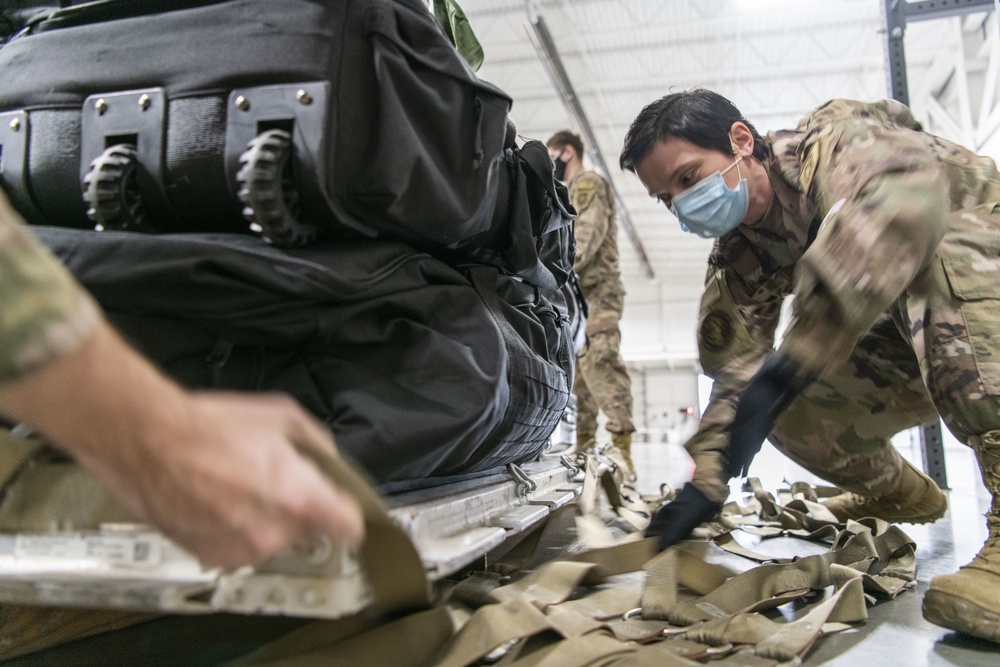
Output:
x=936 y=352
x=602 y=383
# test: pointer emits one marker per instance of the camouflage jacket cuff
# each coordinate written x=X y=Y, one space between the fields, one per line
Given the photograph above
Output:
x=43 y=311
x=710 y=476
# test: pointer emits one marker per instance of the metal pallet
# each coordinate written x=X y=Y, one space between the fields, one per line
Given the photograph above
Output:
x=130 y=566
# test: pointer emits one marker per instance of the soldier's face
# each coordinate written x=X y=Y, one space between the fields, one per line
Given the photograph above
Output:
x=675 y=164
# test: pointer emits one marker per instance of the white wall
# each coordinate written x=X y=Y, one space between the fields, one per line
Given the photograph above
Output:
x=658 y=324
x=660 y=351
x=660 y=394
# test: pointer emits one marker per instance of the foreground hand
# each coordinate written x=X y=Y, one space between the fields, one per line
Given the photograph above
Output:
x=229 y=482
x=674 y=521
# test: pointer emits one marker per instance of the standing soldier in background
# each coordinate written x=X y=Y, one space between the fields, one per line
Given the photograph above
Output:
x=601 y=379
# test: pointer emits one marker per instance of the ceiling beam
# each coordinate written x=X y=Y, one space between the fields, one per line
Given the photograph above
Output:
x=549 y=55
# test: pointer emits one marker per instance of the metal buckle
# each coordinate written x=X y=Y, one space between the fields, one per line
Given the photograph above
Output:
x=632 y=613
x=636 y=614
x=670 y=632
x=713 y=652
x=796 y=661
x=525 y=484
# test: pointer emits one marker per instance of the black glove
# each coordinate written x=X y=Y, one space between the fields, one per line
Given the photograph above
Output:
x=675 y=520
x=769 y=393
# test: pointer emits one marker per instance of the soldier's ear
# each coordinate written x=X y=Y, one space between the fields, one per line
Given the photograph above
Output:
x=742 y=139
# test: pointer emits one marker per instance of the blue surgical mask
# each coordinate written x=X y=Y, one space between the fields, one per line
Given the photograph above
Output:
x=709 y=208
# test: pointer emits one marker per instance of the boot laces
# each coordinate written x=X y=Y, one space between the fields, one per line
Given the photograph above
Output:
x=989 y=462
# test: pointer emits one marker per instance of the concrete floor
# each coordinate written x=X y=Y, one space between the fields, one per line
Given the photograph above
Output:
x=896 y=633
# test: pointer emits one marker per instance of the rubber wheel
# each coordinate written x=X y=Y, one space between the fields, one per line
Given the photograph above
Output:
x=271 y=203
x=111 y=192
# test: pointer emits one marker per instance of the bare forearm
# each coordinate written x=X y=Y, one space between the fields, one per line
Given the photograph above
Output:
x=220 y=473
x=94 y=400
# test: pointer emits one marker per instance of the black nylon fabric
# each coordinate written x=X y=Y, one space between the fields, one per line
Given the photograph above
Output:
x=413 y=145
x=415 y=372
x=54 y=144
x=15 y=15
x=194 y=169
x=216 y=47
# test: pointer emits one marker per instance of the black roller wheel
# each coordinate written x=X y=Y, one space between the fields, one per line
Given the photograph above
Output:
x=271 y=203
x=111 y=192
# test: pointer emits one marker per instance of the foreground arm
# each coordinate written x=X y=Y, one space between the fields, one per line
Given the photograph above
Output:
x=218 y=473
x=735 y=336
x=888 y=203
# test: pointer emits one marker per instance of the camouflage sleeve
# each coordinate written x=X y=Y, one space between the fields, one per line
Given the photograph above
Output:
x=708 y=446
x=43 y=311
x=590 y=197
x=887 y=204
x=735 y=335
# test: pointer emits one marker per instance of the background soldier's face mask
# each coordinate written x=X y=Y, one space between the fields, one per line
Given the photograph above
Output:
x=559 y=167
x=709 y=208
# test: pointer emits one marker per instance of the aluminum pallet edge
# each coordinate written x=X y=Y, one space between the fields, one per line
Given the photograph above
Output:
x=130 y=566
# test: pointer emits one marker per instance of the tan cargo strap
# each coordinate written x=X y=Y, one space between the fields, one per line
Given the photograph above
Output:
x=410 y=641
x=17 y=451
x=391 y=562
x=723 y=621
x=800 y=517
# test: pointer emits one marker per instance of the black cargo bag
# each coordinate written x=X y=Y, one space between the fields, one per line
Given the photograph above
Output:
x=422 y=370
x=307 y=115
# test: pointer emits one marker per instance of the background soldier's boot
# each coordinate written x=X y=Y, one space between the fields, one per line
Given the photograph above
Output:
x=623 y=441
x=969 y=600
x=584 y=439
x=916 y=499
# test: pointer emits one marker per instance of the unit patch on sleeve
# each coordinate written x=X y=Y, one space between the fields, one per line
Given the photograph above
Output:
x=716 y=331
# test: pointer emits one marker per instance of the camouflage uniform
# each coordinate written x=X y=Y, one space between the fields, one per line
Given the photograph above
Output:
x=601 y=379
x=889 y=238
x=43 y=313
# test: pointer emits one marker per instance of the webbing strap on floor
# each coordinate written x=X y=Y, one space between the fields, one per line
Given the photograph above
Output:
x=410 y=641
x=686 y=604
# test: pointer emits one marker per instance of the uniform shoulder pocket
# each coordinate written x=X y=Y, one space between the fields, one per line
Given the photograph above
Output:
x=723 y=336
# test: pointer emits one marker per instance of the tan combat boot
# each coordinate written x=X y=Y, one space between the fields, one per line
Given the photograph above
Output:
x=969 y=600
x=584 y=440
x=916 y=499
x=623 y=441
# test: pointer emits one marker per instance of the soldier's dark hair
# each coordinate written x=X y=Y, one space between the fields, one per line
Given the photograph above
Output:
x=700 y=116
x=561 y=140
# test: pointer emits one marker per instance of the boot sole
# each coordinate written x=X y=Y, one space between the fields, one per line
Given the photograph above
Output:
x=917 y=520
x=956 y=613
x=921 y=518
